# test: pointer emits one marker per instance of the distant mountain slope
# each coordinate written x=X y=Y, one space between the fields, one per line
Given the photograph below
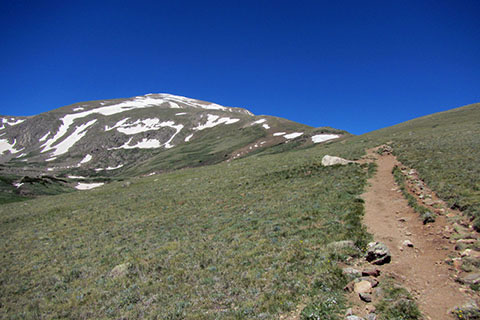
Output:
x=139 y=135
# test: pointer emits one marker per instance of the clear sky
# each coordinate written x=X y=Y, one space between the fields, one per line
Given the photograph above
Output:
x=353 y=65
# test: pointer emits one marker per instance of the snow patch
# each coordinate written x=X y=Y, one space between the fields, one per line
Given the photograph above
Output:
x=88 y=186
x=76 y=177
x=86 y=159
x=259 y=121
x=266 y=126
x=144 y=144
x=69 y=119
x=114 y=168
x=6 y=146
x=69 y=141
x=18 y=185
x=188 y=138
x=293 y=135
x=144 y=125
x=10 y=121
x=173 y=105
x=44 y=137
x=213 y=120
x=180 y=113
x=276 y=134
x=78 y=109
x=324 y=137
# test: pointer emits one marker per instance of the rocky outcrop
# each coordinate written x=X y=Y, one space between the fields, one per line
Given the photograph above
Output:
x=378 y=253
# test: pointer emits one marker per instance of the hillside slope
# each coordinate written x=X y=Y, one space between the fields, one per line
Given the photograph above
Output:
x=250 y=238
x=444 y=148
x=126 y=137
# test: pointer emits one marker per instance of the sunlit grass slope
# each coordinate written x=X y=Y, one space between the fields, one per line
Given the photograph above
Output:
x=239 y=240
x=445 y=149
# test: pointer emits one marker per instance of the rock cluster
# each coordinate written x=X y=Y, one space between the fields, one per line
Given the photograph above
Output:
x=365 y=281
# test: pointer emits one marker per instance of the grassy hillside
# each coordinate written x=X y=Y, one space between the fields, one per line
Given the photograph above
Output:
x=240 y=240
x=445 y=149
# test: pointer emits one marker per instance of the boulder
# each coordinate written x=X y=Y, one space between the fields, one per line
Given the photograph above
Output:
x=330 y=161
x=373 y=281
x=362 y=287
x=472 y=278
x=120 y=270
x=378 y=253
x=366 y=297
x=374 y=272
x=408 y=243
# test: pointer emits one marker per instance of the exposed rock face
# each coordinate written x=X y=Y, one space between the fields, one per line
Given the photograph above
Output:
x=330 y=161
x=378 y=253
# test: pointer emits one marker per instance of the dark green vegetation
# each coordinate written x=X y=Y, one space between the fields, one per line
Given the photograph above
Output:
x=239 y=240
x=31 y=187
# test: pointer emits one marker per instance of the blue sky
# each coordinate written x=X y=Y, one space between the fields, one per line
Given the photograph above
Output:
x=353 y=65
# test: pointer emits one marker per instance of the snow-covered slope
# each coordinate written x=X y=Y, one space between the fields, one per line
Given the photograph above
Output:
x=108 y=137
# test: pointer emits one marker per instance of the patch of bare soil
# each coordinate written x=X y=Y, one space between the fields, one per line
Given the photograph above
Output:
x=422 y=268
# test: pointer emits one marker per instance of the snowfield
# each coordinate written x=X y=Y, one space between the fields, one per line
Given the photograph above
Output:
x=88 y=186
x=10 y=121
x=86 y=159
x=324 y=137
x=144 y=144
x=44 y=137
x=142 y=126
x=188 y=138
x=276 y=134
x=68 y=142
x=213 y=120
x=293 y=135
x=6 y=146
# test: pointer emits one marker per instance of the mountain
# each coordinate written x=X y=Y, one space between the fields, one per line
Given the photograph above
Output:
x=264 y=236
x=140 y=135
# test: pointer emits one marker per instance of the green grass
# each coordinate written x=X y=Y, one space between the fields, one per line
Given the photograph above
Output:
x=242 y=240
x=444 y=148
x=396 y=303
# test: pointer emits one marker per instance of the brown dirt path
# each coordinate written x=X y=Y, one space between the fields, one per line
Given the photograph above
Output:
x=421 y=269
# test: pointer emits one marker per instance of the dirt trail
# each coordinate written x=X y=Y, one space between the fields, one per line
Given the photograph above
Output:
x=421 y=269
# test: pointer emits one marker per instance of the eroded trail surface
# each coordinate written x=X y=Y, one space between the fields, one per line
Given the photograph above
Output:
x=422 y=268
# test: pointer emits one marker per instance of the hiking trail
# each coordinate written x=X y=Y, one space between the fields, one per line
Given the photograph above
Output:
x=422 y=268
